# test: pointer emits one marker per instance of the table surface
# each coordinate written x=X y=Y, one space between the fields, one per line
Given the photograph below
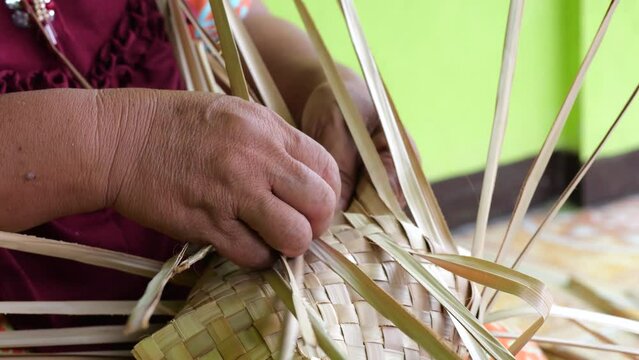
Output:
x=596 y=248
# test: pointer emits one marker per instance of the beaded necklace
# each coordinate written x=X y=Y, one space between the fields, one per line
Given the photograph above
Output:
x=42 y=13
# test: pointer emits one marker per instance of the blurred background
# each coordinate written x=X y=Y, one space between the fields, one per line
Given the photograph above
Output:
x=441 y=61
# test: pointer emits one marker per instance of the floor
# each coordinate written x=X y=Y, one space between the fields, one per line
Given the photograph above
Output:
x=590 y=260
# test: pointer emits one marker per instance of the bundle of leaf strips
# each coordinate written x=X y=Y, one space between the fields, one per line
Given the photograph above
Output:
x=376 y=285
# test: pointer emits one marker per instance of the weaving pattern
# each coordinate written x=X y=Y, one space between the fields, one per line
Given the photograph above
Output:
x=232 y=313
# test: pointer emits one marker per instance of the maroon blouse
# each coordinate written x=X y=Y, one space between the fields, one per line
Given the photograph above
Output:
x=115 y=43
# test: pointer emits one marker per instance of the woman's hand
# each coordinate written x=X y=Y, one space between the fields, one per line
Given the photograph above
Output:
x=218 y=170
x=290 y=56
x=323 y=121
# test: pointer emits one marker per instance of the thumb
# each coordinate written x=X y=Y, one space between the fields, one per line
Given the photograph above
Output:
x=389 y=165
x=348 y=189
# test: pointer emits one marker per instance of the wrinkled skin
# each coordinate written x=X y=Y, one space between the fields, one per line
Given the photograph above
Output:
x=242 y=179
x=220 y=170
x=198 y=167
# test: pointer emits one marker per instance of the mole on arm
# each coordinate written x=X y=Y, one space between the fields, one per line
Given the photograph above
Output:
x=30 y=176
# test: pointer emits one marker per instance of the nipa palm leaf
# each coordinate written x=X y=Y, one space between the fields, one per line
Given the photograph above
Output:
x=375 y=285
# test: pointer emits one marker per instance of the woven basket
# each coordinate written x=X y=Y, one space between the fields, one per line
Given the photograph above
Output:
x=233 y=313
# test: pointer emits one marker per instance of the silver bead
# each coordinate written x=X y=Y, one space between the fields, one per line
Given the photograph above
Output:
x=13 y=4
x=20 y=18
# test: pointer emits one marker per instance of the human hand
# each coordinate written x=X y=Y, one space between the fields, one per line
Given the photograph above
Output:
x=323 y=121
x=216 y=169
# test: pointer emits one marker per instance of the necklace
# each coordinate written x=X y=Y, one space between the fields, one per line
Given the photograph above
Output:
x=43 y=11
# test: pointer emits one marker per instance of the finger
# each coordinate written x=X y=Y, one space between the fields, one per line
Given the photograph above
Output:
x=236 y=242
x=348 y=187
x=387 y=160
x=315 y=157
x=335 y=138
x=279 y=225
x=381 y=144
x=305 y=191
x=343 y=150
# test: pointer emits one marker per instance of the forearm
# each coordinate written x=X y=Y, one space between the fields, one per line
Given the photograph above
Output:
x=289 y=56
x=54 y=156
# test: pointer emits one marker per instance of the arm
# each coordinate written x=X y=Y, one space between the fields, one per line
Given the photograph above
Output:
x=289 y=56
x=50 y=163
x=195 y=166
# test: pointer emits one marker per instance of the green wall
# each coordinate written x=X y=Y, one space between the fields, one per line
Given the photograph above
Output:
x=613 y=76
x=441 y=62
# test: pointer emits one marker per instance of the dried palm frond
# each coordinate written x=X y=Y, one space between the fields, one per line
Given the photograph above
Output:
x=229 y=51
x=85 y=254
x=407 y=259
x=376 y=285
x=552 y=213
x=69 y=355
x=87 y=335
x=626 y=350
x=600 y=336
x=139 y=317
x=109 y=307
x=562 y=312
x=506 y=77
x=541 y=161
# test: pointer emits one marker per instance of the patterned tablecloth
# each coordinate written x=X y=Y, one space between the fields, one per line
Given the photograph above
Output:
x=595 y=247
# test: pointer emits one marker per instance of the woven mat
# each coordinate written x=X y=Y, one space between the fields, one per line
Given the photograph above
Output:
x=233 y=313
